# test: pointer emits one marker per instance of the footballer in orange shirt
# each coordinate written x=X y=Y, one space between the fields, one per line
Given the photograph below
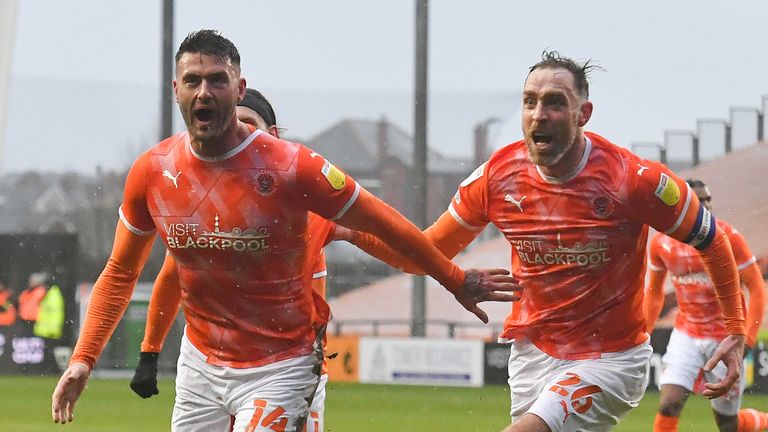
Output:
x=576 y=209
x=231 y=204
x=698 y=325
x=165 y=301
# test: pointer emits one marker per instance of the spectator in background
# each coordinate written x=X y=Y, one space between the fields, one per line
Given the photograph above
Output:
x=30 y=298
x=7 y=309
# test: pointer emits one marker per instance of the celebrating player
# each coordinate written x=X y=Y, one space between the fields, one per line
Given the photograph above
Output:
x=231 y=204
x=165 y=301
x=576 y=209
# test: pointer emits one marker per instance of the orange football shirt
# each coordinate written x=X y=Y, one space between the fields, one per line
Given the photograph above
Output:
x=699 y=310
x=236 y=225
x=578 y=242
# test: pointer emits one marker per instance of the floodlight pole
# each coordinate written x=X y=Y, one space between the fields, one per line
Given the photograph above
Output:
x=418 y=294
x=166 y=87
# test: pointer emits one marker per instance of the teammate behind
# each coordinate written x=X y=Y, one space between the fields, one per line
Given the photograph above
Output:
x=699 y=326
x=576 y=209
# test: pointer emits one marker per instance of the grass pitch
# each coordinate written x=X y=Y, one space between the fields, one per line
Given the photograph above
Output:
x=109 y=405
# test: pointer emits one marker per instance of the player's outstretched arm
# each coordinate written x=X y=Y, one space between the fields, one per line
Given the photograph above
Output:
x=721 y=267
x=371 y=215
x=163 y=307
x=109 y=298
x=446 y=234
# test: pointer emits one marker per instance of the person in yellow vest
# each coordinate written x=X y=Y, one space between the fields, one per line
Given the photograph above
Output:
x=7 y=309
x=30 y=298
x=50 y=317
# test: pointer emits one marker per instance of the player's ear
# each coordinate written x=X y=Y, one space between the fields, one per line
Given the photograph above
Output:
x=175 y=92
x=586 y=113
x=274 y=131
x=241 y=86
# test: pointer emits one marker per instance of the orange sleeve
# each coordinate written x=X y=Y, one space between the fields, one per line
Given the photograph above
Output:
x=665 y=202
x=446 y=234
x=469 y=204
x=163 y=306
x=371 y=215
x=753 y=280
x=653 y=301
x=111 y=293
x=134 y=211
x=721 y=267
x=325 y=189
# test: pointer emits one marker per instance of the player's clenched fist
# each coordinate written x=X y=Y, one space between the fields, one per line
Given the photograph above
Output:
x=68 y=390
x=144 y=382
x=486 y=285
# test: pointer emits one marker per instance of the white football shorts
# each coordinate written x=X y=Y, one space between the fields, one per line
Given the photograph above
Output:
x=262 y=399
x=684 y=359
x=577 y=395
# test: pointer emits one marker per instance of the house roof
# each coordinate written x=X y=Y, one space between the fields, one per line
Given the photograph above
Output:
x=739 y=190
x=352 y=144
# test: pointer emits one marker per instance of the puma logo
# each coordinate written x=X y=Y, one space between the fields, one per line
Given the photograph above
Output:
x=518 y=203
x=642 y=168
x=173 y=178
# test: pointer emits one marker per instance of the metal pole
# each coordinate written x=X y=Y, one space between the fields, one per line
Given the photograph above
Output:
x=695 y=150
x=166 y=86
x=418 y=294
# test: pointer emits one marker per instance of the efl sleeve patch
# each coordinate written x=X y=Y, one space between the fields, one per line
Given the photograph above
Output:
x=667 y=190
x=335 y=177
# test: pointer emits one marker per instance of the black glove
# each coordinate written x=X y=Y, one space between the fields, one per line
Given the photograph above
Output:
x=144 y=382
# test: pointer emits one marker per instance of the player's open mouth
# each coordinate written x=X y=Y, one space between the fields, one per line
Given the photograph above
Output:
x=204 y=115
x=541 y=138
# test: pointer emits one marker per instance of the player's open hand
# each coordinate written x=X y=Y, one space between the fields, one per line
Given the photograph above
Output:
x=68 y=390
x=731 y=352
x=486 y=285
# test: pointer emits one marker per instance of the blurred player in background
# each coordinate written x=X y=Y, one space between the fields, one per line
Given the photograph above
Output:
x=699 y=326
x=231 y=203
x=165 y=302
x=576 y=209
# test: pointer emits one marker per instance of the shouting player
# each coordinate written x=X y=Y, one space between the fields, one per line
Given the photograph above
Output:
x=576 y=209
x=231 y=203
x=165 y=301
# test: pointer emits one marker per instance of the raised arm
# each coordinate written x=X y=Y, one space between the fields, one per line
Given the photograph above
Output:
x=670 y=206
x=371 y=215
x=330 y=193
x=446 y=234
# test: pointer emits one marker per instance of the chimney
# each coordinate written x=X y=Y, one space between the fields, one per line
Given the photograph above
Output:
x=481 y=143
x=383 y=139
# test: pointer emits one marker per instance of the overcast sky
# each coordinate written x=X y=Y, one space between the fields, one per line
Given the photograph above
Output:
x=666 y=63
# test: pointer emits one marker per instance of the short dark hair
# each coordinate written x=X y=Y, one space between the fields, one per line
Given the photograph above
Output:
x=209 y=42
x=256 y=101
x=579 y=70
x=695 y=183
